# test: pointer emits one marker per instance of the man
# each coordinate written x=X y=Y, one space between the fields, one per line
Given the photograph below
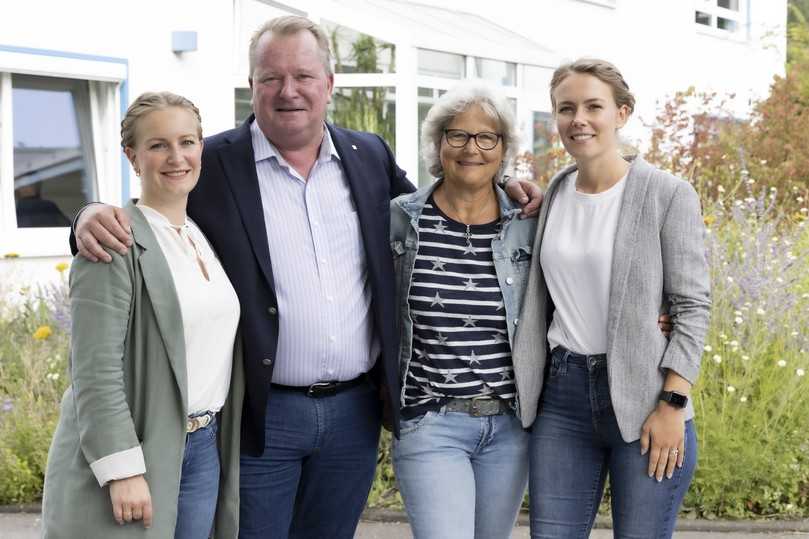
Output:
x=298 y=212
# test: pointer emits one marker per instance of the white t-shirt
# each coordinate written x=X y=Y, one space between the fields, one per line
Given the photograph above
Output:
x=576 y=259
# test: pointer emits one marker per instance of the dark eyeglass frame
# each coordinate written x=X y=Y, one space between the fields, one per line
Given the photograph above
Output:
x=475 y=136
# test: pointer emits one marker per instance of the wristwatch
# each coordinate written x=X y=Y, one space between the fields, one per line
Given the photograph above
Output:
x=678 y=400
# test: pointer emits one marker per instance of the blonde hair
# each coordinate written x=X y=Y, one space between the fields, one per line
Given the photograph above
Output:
x=286 y=26
x=457 y=100
x=150 y=102
x=603 y=71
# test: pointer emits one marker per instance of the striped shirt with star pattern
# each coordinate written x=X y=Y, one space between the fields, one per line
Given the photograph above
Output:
x=460 y=337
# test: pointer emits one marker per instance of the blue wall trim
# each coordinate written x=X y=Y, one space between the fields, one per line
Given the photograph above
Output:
x=124 y=92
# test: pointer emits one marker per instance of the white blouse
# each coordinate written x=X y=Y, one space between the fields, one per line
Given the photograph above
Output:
x=210 y=311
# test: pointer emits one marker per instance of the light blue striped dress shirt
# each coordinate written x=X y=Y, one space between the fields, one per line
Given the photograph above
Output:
x=318 y=264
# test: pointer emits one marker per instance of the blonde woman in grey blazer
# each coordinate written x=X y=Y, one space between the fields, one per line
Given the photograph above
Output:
x=617 y=241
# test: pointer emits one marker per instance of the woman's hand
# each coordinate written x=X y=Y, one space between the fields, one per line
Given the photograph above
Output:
x=664 y=433
x=131 y=500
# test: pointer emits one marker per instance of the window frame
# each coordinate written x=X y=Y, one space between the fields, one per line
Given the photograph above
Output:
x=712 y=8
x=108 y=80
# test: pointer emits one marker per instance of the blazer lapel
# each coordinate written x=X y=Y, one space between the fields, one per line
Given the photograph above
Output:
x=637 y=182
x=239 y=163
x=163 y=296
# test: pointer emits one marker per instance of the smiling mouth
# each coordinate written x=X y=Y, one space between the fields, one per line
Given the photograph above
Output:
x=176 y=173
x=469 y=164
x=582 y=136
x=288 y=110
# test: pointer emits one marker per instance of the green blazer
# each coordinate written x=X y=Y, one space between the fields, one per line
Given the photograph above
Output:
x=127 y=363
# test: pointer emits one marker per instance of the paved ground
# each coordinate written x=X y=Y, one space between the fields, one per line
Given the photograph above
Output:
x=26 y=526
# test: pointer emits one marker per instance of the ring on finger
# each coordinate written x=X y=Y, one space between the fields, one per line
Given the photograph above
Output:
x=674 y=451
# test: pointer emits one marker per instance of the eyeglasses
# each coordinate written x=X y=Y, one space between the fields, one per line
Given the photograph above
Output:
x=485 y=140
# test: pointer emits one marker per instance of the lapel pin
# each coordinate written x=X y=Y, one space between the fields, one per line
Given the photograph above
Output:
x=355 y=148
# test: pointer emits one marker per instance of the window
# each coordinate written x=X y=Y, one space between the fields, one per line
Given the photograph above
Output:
x=723 y=17
x=366 y=109
x=441 y=64
x=59 y=144
x=355 y=52
x=54 y=174
x=503 y=73
x=426 y=98
x=244 y=105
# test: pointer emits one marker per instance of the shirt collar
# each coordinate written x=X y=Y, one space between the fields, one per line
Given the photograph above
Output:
x=264 y=149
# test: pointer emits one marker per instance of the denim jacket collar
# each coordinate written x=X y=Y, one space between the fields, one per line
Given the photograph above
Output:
x=413 y=203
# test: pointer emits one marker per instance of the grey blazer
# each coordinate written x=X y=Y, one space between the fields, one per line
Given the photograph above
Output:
x=658 y=262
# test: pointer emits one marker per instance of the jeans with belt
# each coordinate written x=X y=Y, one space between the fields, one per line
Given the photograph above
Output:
x=199 y=484
x=575 y=444
x=461 y=476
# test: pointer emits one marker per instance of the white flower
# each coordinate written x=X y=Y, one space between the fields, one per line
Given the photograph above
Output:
x=734 y=344
x=794 y=333
x=723 y=336
x=745 y=357
x=708 y=348
x=738 y=320
x=731 y=389
x=743 y=399
x=760 y=311
x=717 y=358
x=805 y=295
x=730 y=279
x=800 y=372
x=737 y=313
x=782 y=363
x=722 y=190
x=799 y=199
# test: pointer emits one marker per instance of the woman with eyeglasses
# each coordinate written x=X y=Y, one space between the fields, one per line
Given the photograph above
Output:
x=461 y=257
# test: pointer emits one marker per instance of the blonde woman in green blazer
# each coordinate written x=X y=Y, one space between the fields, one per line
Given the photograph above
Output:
x=133 y=455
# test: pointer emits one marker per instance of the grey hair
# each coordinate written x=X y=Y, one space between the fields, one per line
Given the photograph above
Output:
x=456 y=101
x=286 y=26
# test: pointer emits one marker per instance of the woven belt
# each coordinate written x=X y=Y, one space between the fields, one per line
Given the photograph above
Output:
x=197 y=422
x=324 y=389
x=478 y=407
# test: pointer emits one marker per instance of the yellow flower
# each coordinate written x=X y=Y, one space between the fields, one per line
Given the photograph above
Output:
x=11 y=255
x=42 y=333
x=62 y=266
x=709 y=220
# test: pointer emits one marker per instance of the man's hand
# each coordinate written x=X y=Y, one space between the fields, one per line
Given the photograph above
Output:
x=100 y=224
x=526 y=193
x=131 y=500
x=665 y=324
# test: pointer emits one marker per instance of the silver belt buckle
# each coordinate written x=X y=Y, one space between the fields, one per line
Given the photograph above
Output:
x=193 y=424
x=484 y=407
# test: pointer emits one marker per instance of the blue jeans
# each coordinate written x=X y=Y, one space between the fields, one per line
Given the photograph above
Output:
x=461 y=476
x=199 y=484
x=575 y=443
x=318 y=464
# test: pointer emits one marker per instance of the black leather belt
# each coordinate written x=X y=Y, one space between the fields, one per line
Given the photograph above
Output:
x=324 y=389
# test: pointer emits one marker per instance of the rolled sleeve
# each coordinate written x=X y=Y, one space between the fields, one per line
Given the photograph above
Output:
x=120 y=465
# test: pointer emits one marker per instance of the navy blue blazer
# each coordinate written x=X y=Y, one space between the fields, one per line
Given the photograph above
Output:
x=226 y=204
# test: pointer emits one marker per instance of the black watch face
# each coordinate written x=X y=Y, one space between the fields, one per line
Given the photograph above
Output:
x=678 y=400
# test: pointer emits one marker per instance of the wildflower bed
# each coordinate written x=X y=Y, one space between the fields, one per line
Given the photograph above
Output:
x=752 y=399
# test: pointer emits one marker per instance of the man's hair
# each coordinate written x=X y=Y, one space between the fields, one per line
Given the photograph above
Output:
x=286 y=26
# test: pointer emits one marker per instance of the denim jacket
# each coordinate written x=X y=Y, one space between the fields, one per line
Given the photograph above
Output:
x=511 y=251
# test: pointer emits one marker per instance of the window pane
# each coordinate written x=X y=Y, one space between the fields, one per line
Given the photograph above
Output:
x=496 y=71
x=543 y=132
x=52 y=175
x=366 y=109
x=355 y=52
x=427 y=96
x=702 y=18
x=729 y=4
x=441 y=64
x=726 y=24
x=243 y=106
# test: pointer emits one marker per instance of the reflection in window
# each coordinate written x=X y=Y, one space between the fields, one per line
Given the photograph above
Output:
x=427 y=96
x=441 y=64
x=244 y=108
x=355 y=52
x=53 y=158
x=504 y=73
x=702 y=18
x=366 y=109
x=729 y=4
x=543 y=132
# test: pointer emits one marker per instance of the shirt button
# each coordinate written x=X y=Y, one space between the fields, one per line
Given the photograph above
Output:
x=330 y=298
x=272 y=310
x=267 y=361
x=509 y=280
x=516 y=321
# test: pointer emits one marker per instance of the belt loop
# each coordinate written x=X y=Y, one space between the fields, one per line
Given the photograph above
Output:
x=562 y=369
